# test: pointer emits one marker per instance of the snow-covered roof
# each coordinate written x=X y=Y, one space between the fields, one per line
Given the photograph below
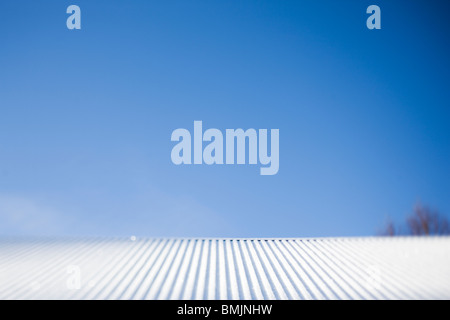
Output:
x=130 y=268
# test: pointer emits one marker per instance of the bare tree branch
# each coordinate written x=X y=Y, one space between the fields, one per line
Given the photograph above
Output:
x=422 y=222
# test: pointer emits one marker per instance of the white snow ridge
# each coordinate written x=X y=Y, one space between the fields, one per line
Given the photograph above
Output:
x=232 y=269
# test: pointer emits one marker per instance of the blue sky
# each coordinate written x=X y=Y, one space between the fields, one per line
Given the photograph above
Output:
x=87 y=115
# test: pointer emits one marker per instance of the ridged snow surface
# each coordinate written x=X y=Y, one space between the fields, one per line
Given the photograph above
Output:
x=130 y=268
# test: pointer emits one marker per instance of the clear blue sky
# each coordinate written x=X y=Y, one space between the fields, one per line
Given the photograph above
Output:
x=87 y=115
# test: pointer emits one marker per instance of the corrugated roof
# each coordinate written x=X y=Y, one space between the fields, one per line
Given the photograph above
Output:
x=324 y=268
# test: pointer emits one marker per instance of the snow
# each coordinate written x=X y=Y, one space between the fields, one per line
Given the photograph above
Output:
x=146 y=268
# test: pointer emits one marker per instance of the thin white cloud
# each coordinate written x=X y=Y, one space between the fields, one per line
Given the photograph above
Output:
x=152 y=213
x=23 y=215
